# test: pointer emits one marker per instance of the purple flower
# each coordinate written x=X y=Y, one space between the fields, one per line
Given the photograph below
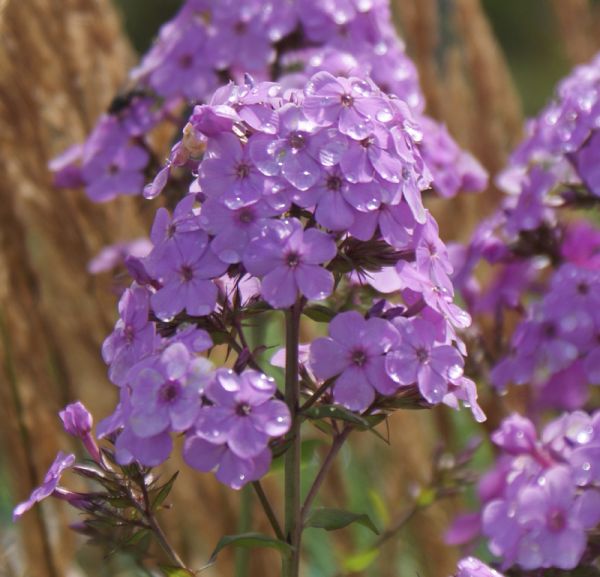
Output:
x=516 y=436
x=178 y=64
x=133 y=337
x=240 y=41
x=243 y=412
x=166 y=396
x=185 y=268
x=288 y=259
x=231 y=470
x=471 y=567
x=421 y=359
x=234 y=429
x=185 y=220
x=293 y=153
x=347 y=103
x=227 y=172
x=588 y=163
x=233 y=228
x=76 y=419
x=111 y=163
x=555 y=533
x=115 y=255
x=355 y=352
x=50 y=484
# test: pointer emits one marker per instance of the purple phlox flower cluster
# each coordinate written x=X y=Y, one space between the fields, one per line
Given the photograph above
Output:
x=472 y=567
x=171 y=389
x=375 y=356
x=453 y=169
x=206 y=43
x=354 y=166
x=561 y=151
x=112 y=160
x=235 y=425
x=556 y=348
x=541 y=498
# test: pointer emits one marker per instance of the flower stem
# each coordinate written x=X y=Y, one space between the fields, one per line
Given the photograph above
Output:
x=325 y=467
x=293 y=521
x=266 y=505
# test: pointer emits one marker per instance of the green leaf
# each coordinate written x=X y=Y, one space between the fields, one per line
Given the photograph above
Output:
x=319 y=313
x=170 y=571
x=250 y=541
x=163 y=492
x=360 y=561
x=380 y=507
x=333 y=519
x=336 y=412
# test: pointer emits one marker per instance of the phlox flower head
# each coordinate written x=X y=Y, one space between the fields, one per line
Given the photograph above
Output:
x=234 y=428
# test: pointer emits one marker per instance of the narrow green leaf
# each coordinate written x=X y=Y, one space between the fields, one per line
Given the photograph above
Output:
x=336 y=412
x=170 y=571
x=360 y=561
x=319 y=313
x=163 y=492
x=250 y=541
x=333 y=519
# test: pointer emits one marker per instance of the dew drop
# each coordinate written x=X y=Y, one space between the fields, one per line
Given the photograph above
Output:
x=584 y=436
x=384 y=115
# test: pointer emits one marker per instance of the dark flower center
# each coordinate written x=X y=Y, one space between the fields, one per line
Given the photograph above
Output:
x=246 y=216
x=556 y=520
x=169 y=392
x=112 y=169
x=186 y=61
x=297 y=141
x=405 y=173
x=422 y=355
x=243 y=410
x=366 y=142
x=583 y=288
x=292 y=259
x=549 y=330
x=240 y=27
x=347 y=100
x=242 y=170
x=187 y=274
x=359 y=357
x=129 y=333
x=333 y=182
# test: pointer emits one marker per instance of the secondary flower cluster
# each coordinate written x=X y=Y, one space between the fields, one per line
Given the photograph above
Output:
x=228 y=418
x=558 y=161
x=556 y=348
x=555 y=345
x=207 y=43
x=541 y=498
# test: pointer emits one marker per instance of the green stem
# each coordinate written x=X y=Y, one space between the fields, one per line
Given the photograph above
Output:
x=242 y=555
x=325 y=467
x=266 y=505
x=293 y=522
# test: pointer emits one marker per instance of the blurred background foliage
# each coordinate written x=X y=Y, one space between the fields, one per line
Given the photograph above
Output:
x=536 y=38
